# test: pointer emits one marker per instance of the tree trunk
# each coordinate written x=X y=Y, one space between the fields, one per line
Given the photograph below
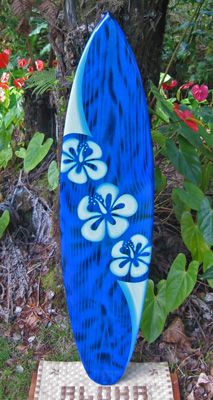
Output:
x=143 y=22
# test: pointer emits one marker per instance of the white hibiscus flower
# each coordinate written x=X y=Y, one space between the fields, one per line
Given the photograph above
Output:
x=80 y=159
x=132 y=256
x=106 y=212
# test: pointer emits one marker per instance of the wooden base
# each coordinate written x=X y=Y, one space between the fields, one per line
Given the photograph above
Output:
x=68 y=381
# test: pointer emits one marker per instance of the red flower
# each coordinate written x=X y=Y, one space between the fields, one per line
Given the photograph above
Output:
x=19 y=82
x=187 y=117
x=22 y=62
x=39 y=65
x=5 y=77
x=170 y=85
x=186 y=85
x=30 y=69
x=200 y=93
x=4 y=58
x=4 y=85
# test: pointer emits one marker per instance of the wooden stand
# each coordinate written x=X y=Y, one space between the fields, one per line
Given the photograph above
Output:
x=68 y=381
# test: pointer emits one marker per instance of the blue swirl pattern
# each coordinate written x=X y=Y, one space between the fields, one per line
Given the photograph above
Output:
x=106 y=198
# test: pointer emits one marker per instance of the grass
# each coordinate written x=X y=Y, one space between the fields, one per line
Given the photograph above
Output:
x=14 y=385
x=59 y=345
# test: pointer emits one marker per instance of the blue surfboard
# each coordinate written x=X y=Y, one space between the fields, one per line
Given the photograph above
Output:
x=106 y=203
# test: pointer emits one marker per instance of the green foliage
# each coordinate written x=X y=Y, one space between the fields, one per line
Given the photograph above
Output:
x=36 y=151
x=192 y=237
x=11 y=118
x=184 y=159
x=191 y=195
x=180 y=282
x=194 y=57
x=205 y=221
x=155 y=312
x=208 y=265
x=160 y=180
x=170 y=294
x=42 y=81
x=4 y=222
x=53 y=175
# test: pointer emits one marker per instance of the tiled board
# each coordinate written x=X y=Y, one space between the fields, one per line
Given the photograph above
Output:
x=68 y=381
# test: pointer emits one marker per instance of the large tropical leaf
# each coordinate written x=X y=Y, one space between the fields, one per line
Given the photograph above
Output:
x=180 y=282
x=184 y=159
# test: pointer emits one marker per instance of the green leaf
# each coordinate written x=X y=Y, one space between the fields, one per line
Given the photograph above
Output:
x=10 y=116
x=163 y=106
x=191 y=136
x=5 y=157
x=208 y=274
x=207 y=173
x=4 y=222
x=208 y=137
x=41 y=27
x=180 y=282
x=192 y=196
x=36 y=151
x=184 y=159
x=21 y=153
x=205 y=221
x=207 y=264
x=46 y=49
x=192 y=237
x=155 y=313
x=160 y=180
x=42 y=81
x=53 y=174
x=178 y=206
x=158 y=138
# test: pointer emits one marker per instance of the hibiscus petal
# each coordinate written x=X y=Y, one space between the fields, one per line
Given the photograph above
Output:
x=93 y=235
x=121 y=225
x=83 y=212
x=66 y=163
x=139 y=239
x=116 y=250
x=96 y=150
x=145 y=255
x=136 y=272
x=77 y=175
x=130 y=206
x=99 y=172
x=108 y=188
x=70 y=143
x=120 y=269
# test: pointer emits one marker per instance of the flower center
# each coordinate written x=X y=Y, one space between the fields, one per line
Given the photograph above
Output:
x=84 y=151
x=131 y=251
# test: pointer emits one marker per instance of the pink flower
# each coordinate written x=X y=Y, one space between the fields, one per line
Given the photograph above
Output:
x=5 y=77
x=30 y=69
x=186 y=85
x=187 y=117
x=39 y=65
x=200 y=93
x=22 y=62
x=19 y=82
x=2 y=95
x=170 y=85
x=7 y=51
x=4 y=58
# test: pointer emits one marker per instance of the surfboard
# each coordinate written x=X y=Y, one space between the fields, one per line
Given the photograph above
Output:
x=106 y=203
